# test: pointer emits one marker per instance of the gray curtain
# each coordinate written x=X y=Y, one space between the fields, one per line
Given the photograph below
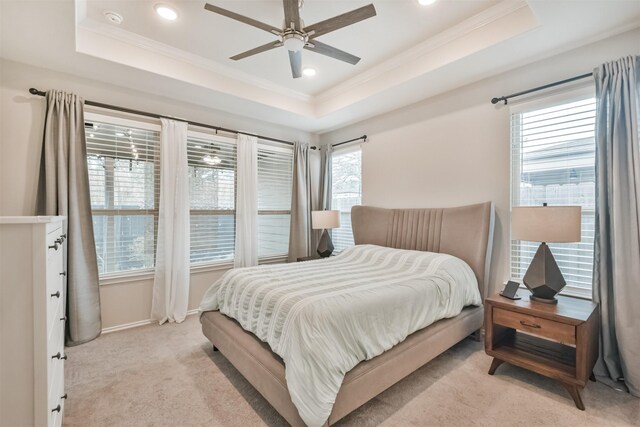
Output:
x=64 y=190
x=305 y=197
x=616 y=278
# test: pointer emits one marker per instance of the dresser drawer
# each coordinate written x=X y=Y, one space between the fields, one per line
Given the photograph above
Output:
x=56 y=401
x=55 y=306
x=561 y=332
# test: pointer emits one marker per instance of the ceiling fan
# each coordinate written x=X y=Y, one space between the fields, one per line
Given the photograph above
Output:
x=294 y=37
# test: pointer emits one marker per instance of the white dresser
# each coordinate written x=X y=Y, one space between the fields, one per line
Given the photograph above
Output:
x=32 y=321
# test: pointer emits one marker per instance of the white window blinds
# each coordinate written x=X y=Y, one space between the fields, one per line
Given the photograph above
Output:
x=212 y=184
x=553 y=161
x=123 y=163
x=275 y=169
x=346 y=191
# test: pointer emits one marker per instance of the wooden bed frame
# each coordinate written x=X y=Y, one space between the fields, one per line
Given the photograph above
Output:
x=465 y=232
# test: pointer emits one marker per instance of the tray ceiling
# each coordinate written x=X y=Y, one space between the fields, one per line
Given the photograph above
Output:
x=409 y=52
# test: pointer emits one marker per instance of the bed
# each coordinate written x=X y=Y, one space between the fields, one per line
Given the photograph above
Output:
x=421 y=236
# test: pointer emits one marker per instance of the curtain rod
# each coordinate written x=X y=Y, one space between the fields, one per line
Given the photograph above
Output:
x=535 y=89
x=363 y=137
x=34 y=91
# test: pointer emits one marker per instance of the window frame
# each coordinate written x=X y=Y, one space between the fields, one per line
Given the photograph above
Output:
x=225 y=140
x=283 y=149
x=545 y=100
x=91 y=115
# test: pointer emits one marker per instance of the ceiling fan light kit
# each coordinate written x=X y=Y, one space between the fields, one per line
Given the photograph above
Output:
x=295 y=36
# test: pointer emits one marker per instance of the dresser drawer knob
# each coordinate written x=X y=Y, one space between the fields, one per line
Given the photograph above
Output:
x=56 y=356
x=60 y=240
x=57 y=294
x=64 y=273
x=530 y=325
x=64 y=357
x=54 y=246
x=64 y=319
x=56 y=409
x=64 y=396
x=63 y=237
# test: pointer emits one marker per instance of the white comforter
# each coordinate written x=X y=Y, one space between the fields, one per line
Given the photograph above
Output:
x=324 y=317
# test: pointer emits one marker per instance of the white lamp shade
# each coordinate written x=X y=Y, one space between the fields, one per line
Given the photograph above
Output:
x=325 y=219
x=550 y=224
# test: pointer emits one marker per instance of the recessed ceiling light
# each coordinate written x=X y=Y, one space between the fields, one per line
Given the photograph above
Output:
x=113 y=17
x=166 y=12
x=426 y=2
x=309 y=72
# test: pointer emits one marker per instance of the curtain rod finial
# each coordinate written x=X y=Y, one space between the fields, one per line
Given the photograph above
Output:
x=34 y=91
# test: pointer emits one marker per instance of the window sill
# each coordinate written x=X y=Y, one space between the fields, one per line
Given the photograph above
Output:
x=148 y=273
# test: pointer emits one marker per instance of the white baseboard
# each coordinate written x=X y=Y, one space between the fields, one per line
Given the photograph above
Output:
x=139 y=323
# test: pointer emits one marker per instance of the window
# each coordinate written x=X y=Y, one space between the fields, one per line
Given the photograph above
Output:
x=212 y=192
x=123 y=163
x=123 y=159
x=346 y=191
x=553 y=161
x=275 y=169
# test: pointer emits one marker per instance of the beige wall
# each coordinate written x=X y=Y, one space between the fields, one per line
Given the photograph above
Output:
x=454 y=149
x=21 y=121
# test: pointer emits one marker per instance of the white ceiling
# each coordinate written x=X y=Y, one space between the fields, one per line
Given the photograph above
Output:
x=409 y=52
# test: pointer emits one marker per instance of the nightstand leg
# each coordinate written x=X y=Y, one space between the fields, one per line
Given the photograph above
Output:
x=592 y=377
x=494 y=365
x=575 y=393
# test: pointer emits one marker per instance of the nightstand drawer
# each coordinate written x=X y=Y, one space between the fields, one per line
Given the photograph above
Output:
x=561 y=332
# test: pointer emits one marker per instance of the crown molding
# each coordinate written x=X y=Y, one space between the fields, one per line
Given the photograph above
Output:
x=174 y=53
x=466 y=27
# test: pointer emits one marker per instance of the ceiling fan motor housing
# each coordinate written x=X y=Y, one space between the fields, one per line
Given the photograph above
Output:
x=294 y=40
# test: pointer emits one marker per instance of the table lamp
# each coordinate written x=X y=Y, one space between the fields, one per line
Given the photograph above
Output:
x=545 y=224
x=324 y=220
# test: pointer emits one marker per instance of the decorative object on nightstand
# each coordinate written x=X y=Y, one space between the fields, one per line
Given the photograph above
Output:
x=559 y=341
x=324 y=220
x=546 y=224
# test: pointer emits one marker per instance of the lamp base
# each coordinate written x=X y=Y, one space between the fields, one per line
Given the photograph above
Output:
x=543 y=277
x=325 y=246
x=544 y=300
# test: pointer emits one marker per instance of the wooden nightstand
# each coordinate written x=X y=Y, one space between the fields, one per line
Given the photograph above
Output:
x=559 y=341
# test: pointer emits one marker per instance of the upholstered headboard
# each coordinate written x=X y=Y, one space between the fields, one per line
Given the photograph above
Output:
x=465 y=232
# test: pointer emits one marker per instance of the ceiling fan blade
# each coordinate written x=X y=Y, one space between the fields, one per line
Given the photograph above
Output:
x=341 y=21
x=325 y=49
x=241 y=18
x=291 y=14
x=295 y=58
x=256 y=50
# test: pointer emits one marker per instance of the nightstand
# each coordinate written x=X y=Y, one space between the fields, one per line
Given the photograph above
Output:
x=307 y=258
x=559 y=341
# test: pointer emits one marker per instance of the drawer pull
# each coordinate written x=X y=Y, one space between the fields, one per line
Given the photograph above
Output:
x=54 y=246
x=56 y=356
x=64 y=273
x=64 y=357
x=60 y=240
x=63 y=397
x=57 y=294
x=530 y=325
x=64 y=319
x=63 y=237
x=57 y=408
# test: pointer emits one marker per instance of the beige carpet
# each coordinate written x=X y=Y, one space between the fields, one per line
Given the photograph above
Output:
x=169 y=376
